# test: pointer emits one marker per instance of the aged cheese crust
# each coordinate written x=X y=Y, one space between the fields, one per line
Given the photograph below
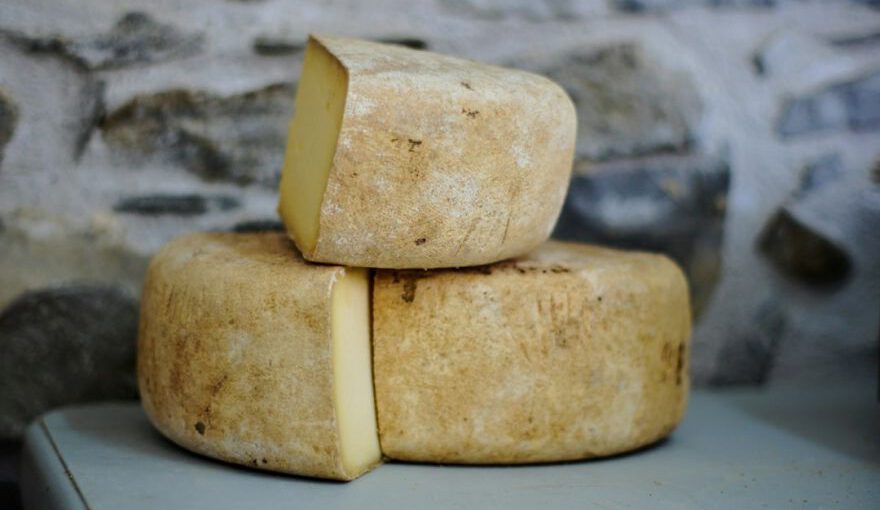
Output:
x=440 y=162
x=234 y=355
x=572 y=352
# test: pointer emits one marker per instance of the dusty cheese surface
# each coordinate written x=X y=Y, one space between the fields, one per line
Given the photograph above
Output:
x=571 y=352
x=438 y=162
x=248 y=354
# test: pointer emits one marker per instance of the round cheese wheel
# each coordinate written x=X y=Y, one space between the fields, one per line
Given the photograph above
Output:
x=571 y=352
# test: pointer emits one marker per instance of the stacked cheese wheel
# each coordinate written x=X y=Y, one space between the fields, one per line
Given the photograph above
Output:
x=420 y=313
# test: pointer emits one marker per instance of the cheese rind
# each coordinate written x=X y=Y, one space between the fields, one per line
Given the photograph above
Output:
x=571 y=352
x=240 y=348
x=438 y=162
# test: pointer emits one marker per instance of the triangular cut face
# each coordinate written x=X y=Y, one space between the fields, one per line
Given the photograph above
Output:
x=311 y=144
x=352 y=372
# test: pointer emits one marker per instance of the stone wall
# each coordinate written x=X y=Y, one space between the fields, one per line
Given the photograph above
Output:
x=739 y=136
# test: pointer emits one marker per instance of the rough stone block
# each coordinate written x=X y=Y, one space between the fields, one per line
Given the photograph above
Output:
x=628 y=105
x=63 y=346
x=135 y=39
x=239 y=138
x=673 y=205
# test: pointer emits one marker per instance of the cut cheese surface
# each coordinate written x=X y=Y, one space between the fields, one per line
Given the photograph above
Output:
x=352 y=369
x=320 y=100
x=571 y=352
x=399 y=158
x=248 y=354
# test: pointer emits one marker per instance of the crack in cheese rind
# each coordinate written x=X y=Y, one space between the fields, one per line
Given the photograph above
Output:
x=311 y=144
x=352 y=368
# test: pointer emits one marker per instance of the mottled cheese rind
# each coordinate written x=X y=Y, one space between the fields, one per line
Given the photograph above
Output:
x=439 y=161
x=571 y=352
x=236 y=356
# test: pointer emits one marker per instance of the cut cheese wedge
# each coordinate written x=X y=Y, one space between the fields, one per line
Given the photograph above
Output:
x=571 y=352
x=250 y=355
x=399 y=158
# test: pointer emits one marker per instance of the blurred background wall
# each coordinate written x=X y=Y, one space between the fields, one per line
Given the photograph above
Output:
x=739 y=136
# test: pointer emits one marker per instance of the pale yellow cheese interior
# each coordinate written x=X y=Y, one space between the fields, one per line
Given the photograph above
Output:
x=314 y=130
x=352 y=372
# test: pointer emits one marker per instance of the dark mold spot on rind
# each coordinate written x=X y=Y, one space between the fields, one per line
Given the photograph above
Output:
x=413 y=144
x=216 y=387
x=420 y=241
x=466 y=85
x=200 y=428
x=524 y=269
x=679 y=367
x=409 y=290
x=561 y=341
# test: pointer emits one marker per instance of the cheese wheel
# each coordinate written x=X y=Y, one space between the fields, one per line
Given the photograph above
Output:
x=250 y=355
x=572 y=352
x=399 y=158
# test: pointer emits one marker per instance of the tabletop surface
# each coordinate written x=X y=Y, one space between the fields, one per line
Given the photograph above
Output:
x=783 y=448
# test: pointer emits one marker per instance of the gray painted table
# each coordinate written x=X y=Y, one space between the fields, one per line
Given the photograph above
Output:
x=784 y=448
